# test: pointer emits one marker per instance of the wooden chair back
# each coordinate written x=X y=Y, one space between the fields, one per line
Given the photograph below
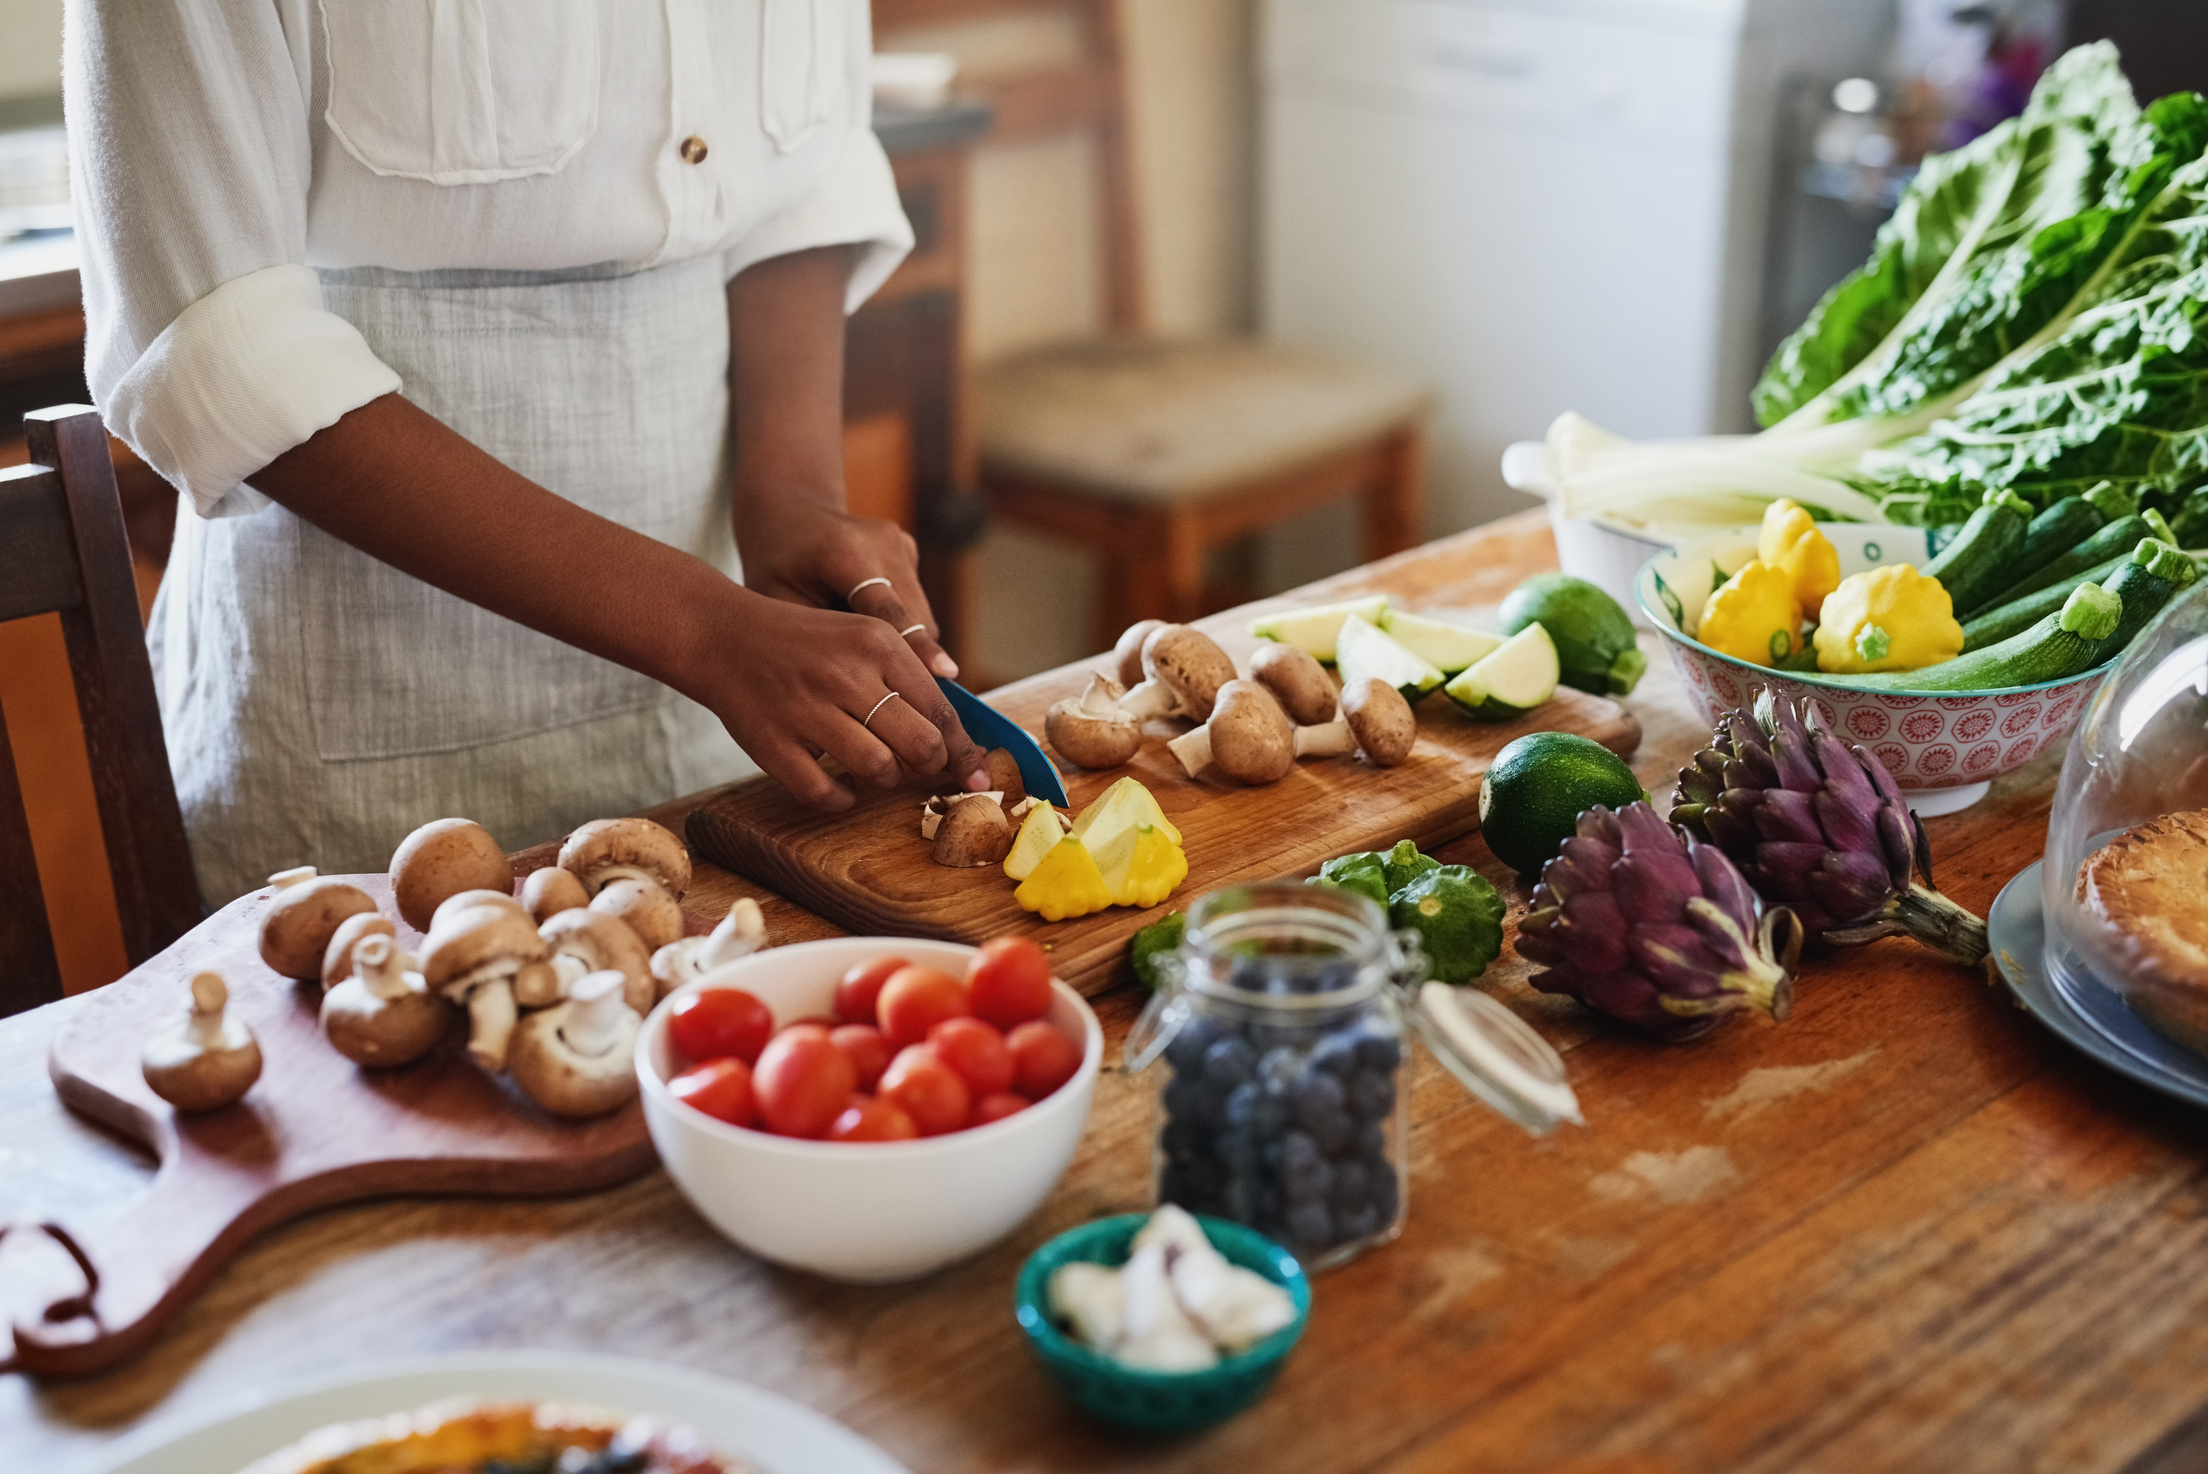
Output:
x=1086 y=95
x=63 y=550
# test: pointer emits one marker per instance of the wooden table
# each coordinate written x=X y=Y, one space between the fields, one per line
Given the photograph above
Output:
x=1905 y=1229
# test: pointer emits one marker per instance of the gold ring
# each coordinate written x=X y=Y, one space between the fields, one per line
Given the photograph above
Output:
x=865 y=584
x=910 y=630
x=886 y=700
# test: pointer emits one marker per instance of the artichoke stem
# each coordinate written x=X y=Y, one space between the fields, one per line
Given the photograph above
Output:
x=1928 y=916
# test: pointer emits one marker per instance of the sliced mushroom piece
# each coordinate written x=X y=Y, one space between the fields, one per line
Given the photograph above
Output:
x=206 y=1059
x=1093 y=730
x=477 y=961
x=1127 y=654
x=606 y=850
x=582 y=942
x=462 y=900
x=1182 y=671
x=384 y=1014
x=650 y=910
x=337 y=958
x=932 y=812
x=548 y=892
x=302 y=919
x=443 y=858
x=974 y=832
x=1004 y=776
x=1297 y=680
x=742 y=932
x=1248 y=737
x=1375 y=721
x=576 y=1059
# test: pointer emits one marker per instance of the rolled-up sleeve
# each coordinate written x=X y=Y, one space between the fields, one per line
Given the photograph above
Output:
x=208 y=349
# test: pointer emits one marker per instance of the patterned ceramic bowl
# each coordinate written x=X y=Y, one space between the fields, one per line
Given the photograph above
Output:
x=1943 y=748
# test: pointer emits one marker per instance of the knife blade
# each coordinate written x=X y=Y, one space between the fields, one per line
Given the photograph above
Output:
x=992 y=728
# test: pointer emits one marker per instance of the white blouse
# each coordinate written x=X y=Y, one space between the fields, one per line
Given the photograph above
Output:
x=223 y=149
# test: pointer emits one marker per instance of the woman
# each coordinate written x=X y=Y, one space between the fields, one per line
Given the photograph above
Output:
x=482 y=336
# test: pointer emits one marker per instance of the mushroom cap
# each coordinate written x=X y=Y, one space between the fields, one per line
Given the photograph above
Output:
x=605 y=850
x=1091 y=730
x=1004 y=775
x=650 y=911
x=1381 y=720
x=602 y=943
x=548 y=892
x=1295 y=677
x=370 y=1029
x=1251 y=737
x=443 y=858
x=547 y=1065
x=1127 y=654
x=297 y=929
x=337 y=957
x=477 y=938
x=1189 y=661
x=974 y=832
x=206 y=1059
x=460 y=901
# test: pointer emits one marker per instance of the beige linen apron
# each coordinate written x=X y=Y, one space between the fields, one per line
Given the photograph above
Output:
x=319 y=704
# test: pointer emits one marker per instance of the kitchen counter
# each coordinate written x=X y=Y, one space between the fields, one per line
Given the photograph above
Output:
x=1905 y=1228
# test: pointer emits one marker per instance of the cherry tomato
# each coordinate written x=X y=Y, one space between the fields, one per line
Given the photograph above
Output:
x=855 y=995
x=821 y=1021
x=1042 y=1059
x=720 y=1023
x=915 y=1000
x=869 y=1050
x=976 y=1051
x=803 y=1082
x=930 y=1091
x=997 y=1107
x=721 y=1088
x=871 y=1118
x=1009 y=981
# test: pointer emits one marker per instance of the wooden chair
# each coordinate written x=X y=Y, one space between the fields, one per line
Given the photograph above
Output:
x=1156 y=452
x=63 y=549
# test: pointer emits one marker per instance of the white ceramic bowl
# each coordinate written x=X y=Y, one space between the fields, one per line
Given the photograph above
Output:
x=866 y=1212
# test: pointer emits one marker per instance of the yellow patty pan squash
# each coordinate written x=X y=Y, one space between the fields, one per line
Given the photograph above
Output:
x=1065 y=883
x=1752 y=616
x=1891 y=618
x=1791 y=540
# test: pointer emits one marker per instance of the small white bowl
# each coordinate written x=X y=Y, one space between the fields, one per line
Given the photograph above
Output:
x=863 y=1212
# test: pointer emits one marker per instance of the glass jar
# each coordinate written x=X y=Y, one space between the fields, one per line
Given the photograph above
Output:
x=1278 y=1033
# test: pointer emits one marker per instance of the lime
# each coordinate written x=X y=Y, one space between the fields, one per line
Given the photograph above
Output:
x=1594 y=638
x=1536 y=789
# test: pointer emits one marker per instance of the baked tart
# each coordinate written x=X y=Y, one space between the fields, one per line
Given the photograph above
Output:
x=471 y=1437
x=2148 y=891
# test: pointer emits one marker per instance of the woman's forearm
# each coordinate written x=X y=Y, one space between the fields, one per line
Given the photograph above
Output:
x=785 y=371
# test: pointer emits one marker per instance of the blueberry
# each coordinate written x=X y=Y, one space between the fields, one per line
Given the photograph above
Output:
x=1239 y=1199
x=1371 y=1140
x=1229 y=1063
x=1303 y=1170
x=1237 y=1149
x=1336 y=1054
x=1279 y=1065
x=1361 y=1223
x=1322 y=1110
x=1266 y=1038
x=1191 y=1184
x=1185 y=1050
x=1264 y=1112
x=1349 y=1189
x=1371 y=1094
x=1181 y=1137
x=1376 y=1051
x=1310 y=1226
x=1184 y=1097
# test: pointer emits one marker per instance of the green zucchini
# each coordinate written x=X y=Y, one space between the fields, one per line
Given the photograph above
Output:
x=2116 y=540
x=2051 y=534
x=1937 y=538
x=2149 y=579
x=2004 y=620
x=2191 y=521
x=2111 y=500
x=1975 y=566
x=2065 y=643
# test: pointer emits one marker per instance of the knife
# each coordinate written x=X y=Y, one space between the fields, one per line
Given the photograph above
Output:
x=992 y=728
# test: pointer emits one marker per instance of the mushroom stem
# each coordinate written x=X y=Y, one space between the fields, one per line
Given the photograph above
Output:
x=594 y=1013
x=210 y=997
x=491 y=1015
x=1328 y=739
x=284 y=880
x=1192 y=749
x=741 y=932
x=1151 y=699
x=381 y=968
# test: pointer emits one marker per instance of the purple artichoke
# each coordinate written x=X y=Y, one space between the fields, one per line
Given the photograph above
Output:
x=1640 y=922
x=1823 y=828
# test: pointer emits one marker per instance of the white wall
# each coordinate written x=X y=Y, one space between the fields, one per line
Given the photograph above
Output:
x=30 y=47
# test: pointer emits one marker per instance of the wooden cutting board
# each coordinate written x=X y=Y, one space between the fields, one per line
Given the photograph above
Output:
x=314 y=1130
x=868 y=870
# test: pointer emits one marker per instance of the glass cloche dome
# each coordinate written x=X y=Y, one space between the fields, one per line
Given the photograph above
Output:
x=2125 y=882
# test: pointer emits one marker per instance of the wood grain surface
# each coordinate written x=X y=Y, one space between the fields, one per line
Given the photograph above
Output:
x=1904 y=1230
x=868 y=870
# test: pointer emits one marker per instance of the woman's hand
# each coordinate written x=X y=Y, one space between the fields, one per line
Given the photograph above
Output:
x=808 y=552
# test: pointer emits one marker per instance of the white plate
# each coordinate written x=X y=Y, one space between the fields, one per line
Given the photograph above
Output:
x=773 y=1432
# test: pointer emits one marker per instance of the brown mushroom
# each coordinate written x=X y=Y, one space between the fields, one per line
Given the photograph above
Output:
x=337 y=958
x=1004 y=775
x=974 y=832
x=443 y=858
x=1297 y=680
x=479 y=960
x=1375 y=721
x=577 y=1059
x=583 y=941
x=939 y=804
x=742 y=932
x=648 y=908
x=206 y=1059
x=1182 y=670
x=1248 y=737
x=384 y=1014
x=462 y=900
x=1127 y=654
x=1093 y=730
x=548 y=892
x=606 y=850
x=302 y=919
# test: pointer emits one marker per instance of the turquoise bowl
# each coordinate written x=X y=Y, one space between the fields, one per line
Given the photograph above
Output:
x=1157 y=1402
